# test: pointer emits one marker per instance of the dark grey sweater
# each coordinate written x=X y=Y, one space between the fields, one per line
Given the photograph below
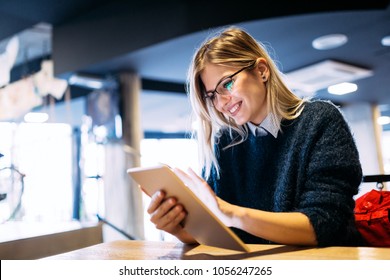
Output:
x=312 y=167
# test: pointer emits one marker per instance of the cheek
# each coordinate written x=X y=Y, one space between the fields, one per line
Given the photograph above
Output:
x=218 y=110
x=256 y=98
x=253 y=85
x=256 y=91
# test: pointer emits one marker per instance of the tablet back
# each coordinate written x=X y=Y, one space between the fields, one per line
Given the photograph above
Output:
x=200 y=222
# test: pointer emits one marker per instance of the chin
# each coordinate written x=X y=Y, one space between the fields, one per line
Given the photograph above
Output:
x=240 y=121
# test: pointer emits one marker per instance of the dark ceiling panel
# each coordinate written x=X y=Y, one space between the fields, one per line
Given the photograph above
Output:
x=118 y=28
x=157 y=38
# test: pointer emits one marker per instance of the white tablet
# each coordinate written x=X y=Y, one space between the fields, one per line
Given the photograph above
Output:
x=201 y=223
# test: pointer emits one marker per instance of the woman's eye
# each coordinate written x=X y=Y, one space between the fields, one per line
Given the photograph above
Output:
x=228 y=85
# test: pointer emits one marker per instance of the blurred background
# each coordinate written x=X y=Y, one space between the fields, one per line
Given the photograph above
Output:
x=89 y=88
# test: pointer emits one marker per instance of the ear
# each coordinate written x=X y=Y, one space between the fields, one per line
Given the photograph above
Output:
x=262 y=67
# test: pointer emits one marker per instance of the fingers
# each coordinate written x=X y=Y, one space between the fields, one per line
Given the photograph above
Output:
x=171 y=220
x=190 y=177
x=197 y=184
x=193 y=174
x=199 y=179
x=155 y=201
x=183 y=176
x=165 y=213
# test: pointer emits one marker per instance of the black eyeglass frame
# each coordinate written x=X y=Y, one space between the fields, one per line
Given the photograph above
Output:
x=212 y=97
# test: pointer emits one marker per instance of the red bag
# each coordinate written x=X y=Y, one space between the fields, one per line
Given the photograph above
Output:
x=372 y=219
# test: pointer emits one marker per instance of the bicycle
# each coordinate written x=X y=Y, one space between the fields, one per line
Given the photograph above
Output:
x=11 y=192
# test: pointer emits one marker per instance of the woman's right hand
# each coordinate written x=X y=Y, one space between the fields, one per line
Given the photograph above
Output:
x=166 y=214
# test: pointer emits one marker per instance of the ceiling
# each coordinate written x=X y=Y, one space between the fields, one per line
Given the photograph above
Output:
x=157 y=40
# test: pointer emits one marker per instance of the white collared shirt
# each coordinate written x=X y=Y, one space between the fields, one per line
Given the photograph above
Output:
x=266 y=126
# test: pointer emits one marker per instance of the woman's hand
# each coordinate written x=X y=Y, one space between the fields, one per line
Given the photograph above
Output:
x=222 y=209
x=167 y=215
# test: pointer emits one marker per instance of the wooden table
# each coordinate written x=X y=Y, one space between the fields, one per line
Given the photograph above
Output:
x=153 y=250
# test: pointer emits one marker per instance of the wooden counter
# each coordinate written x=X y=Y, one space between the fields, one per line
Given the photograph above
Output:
x=153 y=250
x=27 y=241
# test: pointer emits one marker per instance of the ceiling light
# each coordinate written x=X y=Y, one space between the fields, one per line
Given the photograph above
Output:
x=342 y=88
x=386 y=41
x=88 y=82
x=35 y=117
x=330 y=41
x=383 y=120
x=91 y=82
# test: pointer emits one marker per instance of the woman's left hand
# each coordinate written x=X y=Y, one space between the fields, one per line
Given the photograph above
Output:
x=222 y=209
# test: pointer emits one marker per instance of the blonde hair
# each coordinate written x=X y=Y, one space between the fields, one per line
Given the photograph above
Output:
x=233 y=47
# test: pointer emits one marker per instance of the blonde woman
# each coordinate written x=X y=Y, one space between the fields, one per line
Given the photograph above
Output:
x=281 y=169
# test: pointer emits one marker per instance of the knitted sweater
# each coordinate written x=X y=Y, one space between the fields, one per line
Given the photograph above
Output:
x=312 y=167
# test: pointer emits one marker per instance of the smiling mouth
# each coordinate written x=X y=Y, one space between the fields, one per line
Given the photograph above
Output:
x=235 y=108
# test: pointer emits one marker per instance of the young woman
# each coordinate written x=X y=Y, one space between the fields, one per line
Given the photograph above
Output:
x=281 y=169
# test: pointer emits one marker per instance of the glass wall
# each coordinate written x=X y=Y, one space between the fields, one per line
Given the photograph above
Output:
x=180 y=153
x=386 y=151
x=43 y=153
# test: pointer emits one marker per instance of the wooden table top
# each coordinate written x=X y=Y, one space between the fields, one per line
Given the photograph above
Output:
x=154 y=250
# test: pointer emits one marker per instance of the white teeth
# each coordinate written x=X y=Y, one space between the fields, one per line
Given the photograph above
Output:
x=234 y=109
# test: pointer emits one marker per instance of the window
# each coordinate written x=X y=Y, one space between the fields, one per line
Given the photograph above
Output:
x=43 y=152
x=386 y=150
x=181 y=153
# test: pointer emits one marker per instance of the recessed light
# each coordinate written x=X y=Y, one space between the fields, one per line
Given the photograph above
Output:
x=330 y=41
x=342 y=88
x=84 y=81
x=383 y=120
x=35 y=117
x=386 y=41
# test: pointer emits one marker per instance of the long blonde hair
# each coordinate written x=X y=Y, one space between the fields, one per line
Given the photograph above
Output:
x=233 y=47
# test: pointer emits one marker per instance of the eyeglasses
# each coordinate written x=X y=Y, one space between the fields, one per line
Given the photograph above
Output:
x=224 y=86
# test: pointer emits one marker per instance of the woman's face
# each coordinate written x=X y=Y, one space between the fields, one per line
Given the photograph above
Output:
x=247 y=99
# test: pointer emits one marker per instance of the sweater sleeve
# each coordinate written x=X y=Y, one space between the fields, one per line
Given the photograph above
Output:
x=333 y=176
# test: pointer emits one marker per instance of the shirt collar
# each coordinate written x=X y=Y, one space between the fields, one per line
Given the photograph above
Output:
x=266 y=124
